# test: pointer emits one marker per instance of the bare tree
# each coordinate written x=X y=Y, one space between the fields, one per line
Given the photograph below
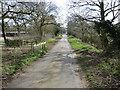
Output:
x=10 y=10
x=42 y=16
x=31 y=14
x=119 y=12
x=98 y=11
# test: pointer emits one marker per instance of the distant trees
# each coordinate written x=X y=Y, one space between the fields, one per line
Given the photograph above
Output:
x=58 y=30
x=98 y=11
x=30 y=16
x=42 y=16
x=11 y=10
x=84 y=31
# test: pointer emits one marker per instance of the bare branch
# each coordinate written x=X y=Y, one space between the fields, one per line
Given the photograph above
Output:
x=112 y=7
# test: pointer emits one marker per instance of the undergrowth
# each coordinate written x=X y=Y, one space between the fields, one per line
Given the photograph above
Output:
x=101 y=71
x=19 y=64
x=21 y=60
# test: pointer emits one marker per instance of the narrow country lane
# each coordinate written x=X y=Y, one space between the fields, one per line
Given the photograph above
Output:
x=57 y=69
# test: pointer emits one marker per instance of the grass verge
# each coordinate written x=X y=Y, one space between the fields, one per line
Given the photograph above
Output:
x=12 y=68
x=101 y=72
x=53 y=39
x=77 y=45
x=22 y=60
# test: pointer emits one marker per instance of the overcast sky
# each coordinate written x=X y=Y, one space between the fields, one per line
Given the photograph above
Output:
x=63 y=12
x=61 y=4
x=63 y=9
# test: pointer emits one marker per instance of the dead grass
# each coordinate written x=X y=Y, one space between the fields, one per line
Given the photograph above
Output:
x=99 y=73
x=102 y=70
x=8 y=52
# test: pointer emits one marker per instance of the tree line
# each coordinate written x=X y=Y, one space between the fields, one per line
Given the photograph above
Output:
x=94 y=22
x=35 y=18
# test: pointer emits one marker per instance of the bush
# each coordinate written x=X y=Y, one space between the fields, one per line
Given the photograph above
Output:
x=109 y=34
x=14 y=43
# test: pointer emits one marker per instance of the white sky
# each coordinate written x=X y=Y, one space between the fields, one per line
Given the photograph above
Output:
x=63 y=12
x=63 y=6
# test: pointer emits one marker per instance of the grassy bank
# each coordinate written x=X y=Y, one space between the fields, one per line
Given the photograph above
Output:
x=101 y=71
x=17 y=65
x=77 y=45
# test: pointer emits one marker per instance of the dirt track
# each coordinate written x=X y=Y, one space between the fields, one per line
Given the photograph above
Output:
x=57 y=69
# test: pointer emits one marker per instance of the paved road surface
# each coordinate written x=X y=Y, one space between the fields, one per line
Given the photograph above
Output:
x=57 y=69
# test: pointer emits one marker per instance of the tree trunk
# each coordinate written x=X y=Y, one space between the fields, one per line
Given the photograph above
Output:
x=3 y=30
x=18 y=29
x=103 y=37
x=102 y=11
x=40 y=32
x=104 y=40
